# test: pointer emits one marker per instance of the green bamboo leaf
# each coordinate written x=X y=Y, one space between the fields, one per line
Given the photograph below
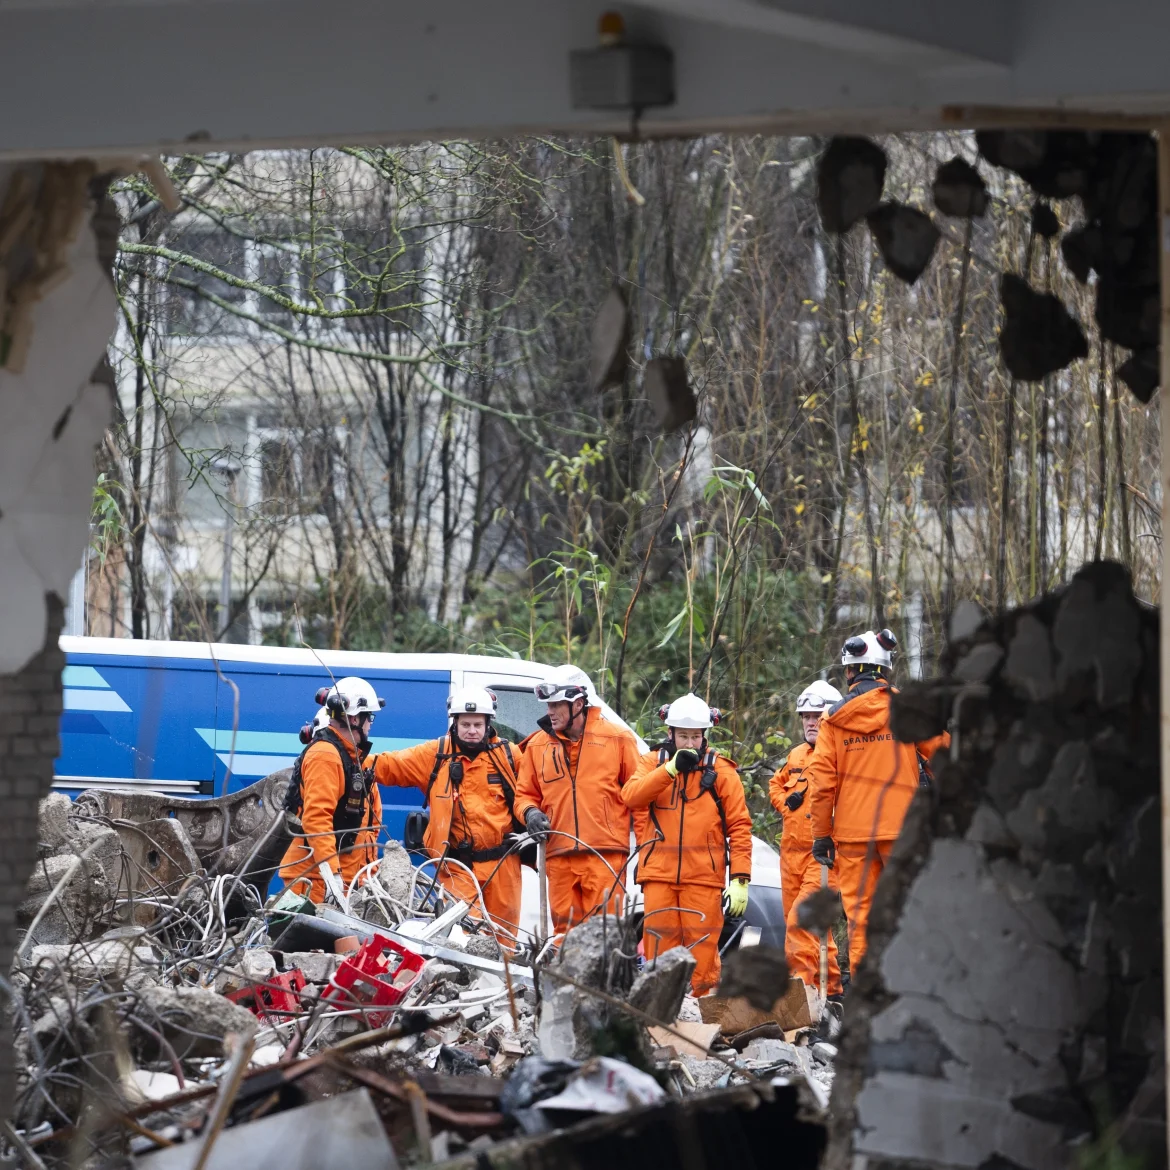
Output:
x=672 y=627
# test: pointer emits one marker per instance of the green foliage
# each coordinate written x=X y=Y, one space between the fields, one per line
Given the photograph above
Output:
x=107 y=524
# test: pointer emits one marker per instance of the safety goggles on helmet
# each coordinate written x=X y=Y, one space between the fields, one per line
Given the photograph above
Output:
x=813 y=703
x=550 y=692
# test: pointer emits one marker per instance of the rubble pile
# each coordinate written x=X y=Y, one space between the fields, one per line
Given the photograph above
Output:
x=160 y=1002
x=1009 y=1010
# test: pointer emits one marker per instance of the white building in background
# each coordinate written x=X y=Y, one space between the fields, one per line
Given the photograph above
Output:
x=269 y=466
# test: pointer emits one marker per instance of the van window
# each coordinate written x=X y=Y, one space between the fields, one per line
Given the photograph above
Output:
x=517 y=712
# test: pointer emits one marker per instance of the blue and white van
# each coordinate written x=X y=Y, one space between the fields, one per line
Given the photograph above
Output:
x=198 y=718
x=191 y=718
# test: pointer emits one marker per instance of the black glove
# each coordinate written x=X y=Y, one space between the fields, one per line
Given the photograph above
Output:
x=537 y=824
x=794 y=800
x=823 y=851
x=686 y=760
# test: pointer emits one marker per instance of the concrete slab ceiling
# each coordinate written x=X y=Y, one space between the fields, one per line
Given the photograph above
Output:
x=94 y=78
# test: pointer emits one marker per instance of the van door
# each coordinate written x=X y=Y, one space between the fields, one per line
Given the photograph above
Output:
x=131 y=720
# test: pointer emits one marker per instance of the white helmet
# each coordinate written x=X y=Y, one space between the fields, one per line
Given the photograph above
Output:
x=350 y=696
x=471 y=701
x=817 y=697
x=870 y=649
x=565 y=683
x=689 y=712
x=320 y=722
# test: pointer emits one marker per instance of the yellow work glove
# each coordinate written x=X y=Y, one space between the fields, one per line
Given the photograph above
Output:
x=736 y=898
x=684 y=760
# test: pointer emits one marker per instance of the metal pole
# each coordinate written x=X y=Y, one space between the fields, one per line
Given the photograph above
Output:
x=1164 y=625
x=542 y=878
x=824 y=948
x=225 y=580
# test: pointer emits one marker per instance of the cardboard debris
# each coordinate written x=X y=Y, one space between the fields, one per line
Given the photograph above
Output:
x=793 y=1010
x=698 y=1042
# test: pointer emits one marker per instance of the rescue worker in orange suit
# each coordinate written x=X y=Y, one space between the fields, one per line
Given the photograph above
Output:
x=800 y=875
x=861 y=780
x=337 y=803
x=698 y=831
x=469 y=780
x=569 y=794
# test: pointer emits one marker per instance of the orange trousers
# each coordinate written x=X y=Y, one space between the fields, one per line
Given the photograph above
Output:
x=800 y=876
x=859 y=865
x=500 y=882
x=672 y=921
x=581 y=884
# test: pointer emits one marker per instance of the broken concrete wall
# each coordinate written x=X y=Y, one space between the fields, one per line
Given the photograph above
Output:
x=57 y=311
x=1009 y=1010
x=30 y=707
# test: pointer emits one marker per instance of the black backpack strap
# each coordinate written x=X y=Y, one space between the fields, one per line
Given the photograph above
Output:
x=506 y=781
x=294 y=797
x=663 y=756
x=707 y=784
x=440 y=757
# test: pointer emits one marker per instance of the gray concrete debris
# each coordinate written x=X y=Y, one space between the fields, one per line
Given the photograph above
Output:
x=980 y=663
x=569 y=1016
x=193 y=1020
x=483 y=945
x=76 y=911
x=1028 y=669
x=1097 y=633
x=707 y=1074
x=965 y=620
x=82 y=965
x=100 y=843
x=257 y=965
x=388 y=887
x=53 y=823
x=438 y=972
x=157 y=857
x=395 y=871
x=766 y=1052
x=316 y=966
x=662 y=984
x=1010 y=933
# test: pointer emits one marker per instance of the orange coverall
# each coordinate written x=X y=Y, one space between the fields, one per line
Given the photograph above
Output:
x=800 y=875
x=468 y=821
x=322 y=790
x=578 y=786
x=683 y=847
x=861 y=782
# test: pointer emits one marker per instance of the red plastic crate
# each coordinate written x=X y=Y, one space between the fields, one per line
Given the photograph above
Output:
x=378 y=974
x=280 y=995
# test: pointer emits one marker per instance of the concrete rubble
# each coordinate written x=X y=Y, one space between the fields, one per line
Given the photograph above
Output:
x=1009 y=1011
x=152 y=981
